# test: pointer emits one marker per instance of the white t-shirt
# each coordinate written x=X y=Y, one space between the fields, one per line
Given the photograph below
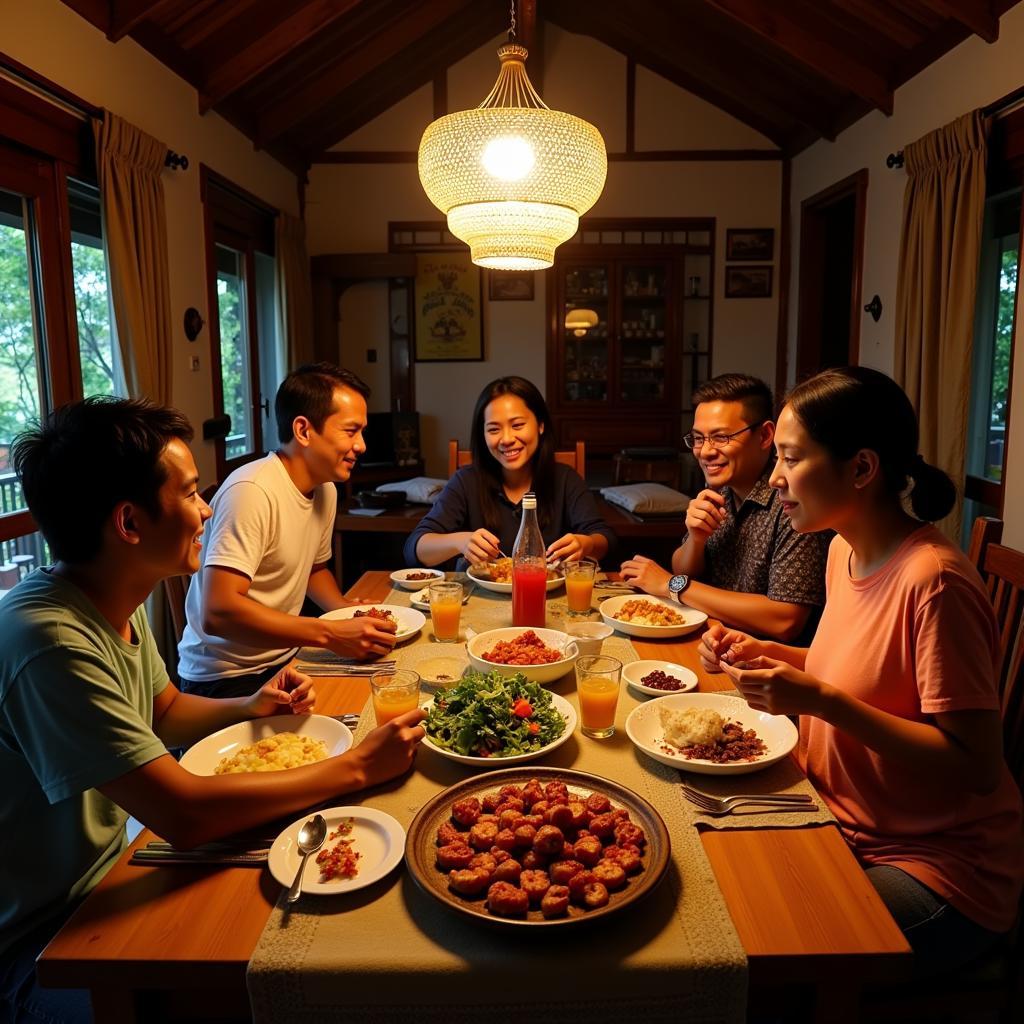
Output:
x=265 y=527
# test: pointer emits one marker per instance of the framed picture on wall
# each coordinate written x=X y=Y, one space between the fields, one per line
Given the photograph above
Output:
x=748 y=282
x=510 y=285
x=755 y=244
x=449 y=307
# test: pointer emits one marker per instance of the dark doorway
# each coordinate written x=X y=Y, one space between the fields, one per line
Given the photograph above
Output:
x=831 y=254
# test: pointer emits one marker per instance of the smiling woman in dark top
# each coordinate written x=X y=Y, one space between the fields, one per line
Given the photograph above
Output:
x=477 y=515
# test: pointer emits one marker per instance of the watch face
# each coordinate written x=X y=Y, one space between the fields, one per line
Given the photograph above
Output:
x=677 y=583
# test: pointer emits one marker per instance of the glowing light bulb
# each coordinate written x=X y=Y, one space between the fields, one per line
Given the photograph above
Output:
x=508 y=158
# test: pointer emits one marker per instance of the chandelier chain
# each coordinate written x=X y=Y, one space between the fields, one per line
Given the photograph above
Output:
x=512 y=20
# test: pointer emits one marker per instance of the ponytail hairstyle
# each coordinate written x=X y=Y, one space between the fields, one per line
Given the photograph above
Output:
x=489 y=478
x=854 y=407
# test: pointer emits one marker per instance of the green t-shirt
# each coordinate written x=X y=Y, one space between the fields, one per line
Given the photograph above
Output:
x=76 y=707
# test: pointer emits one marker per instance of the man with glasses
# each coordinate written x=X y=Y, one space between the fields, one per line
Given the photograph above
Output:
x=740 y=560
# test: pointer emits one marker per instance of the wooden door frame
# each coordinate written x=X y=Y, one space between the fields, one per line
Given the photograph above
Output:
x=811 y=246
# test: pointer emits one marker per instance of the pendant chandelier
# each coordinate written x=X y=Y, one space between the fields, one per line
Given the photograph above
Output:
x=512 y=176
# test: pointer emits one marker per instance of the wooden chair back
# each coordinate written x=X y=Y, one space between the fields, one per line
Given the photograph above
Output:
x=986 y=530
x=574 y=458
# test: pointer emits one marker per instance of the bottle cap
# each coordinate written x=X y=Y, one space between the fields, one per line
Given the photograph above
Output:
x=529 y=500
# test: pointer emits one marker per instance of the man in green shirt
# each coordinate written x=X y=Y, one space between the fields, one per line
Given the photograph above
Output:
x=86 y=708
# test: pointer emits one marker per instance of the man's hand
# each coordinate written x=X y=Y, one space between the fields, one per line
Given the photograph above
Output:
x=289 y=692
x=720 y=646
x=776 y=687
x=389 y=750
x=481 y=546
x=363 y=637
x=565 y=549
x=704 y=515
x=646 y=574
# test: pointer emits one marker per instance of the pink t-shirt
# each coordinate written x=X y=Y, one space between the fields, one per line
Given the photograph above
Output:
x=915 y=638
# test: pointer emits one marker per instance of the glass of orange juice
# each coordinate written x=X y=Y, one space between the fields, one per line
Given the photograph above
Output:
x=597 y=685
x=394 y=692
x=445 y=609
x=579 y=584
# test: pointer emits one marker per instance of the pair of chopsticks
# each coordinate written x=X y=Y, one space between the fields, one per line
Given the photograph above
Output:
x=240 y=853
x=341 y=667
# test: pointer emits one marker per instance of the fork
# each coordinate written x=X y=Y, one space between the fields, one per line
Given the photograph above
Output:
x=722 y=805
x=349 y=719
x=790 y=808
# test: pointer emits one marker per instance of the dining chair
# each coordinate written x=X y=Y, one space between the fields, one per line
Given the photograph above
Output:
x=985 y=530
x=575 y=458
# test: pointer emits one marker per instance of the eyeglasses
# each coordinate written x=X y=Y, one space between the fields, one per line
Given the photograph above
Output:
x=696 y=441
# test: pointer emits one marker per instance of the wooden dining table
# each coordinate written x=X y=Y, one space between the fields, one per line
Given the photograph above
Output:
x=173 y=943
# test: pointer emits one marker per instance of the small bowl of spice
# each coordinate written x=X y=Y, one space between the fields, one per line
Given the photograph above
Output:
x=657 y=678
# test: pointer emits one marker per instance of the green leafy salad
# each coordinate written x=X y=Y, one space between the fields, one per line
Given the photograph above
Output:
x=490 y=715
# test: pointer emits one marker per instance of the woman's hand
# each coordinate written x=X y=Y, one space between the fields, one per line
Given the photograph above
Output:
x=646 y=574
x=481 y=546
x=776 y=687
x=289 y=692
x=720 y=645
x=566 y=549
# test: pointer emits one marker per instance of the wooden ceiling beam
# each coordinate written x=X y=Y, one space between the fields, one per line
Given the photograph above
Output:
x=126 y=15
x=975 y=15
x=775 y=22
x=351 y=66
x=648 y=34
x=241 y=67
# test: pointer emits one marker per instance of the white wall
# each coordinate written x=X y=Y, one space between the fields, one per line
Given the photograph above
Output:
x=124 y=78
x=348 y=208
x=971 y=76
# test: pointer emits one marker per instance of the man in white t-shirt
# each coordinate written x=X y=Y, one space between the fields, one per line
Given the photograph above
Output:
x=268 y=545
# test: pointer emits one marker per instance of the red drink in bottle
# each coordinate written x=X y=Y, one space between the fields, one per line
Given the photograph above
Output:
x=529 y=595
x=529 y=569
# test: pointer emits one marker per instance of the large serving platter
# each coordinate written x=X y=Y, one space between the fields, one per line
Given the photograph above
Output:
x=421 y=848
x=203 y=757
x=643 y=727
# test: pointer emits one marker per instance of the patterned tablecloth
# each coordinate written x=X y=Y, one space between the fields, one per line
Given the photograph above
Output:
x=390 y=950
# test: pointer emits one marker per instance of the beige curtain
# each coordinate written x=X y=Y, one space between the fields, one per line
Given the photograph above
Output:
x=294 y=290
x=129 y=164
x=943 y=215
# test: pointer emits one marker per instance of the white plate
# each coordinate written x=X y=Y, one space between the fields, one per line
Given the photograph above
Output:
x=421 y=599
x=506 y=588
x=203 y=757
x=400 y=578
x=636 y=670
x=562 y=706
x=643 y=727
x=451 y=666
x=553 y=638
x=692 y=619
x=410 y=621
x=377 y=837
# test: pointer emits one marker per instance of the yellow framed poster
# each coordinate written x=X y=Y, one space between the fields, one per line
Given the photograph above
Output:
x=449 y=308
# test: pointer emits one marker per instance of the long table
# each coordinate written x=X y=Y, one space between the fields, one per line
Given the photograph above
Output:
x=174 y=942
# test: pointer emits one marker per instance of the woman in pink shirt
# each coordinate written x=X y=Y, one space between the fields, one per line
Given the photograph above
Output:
x=897 y=695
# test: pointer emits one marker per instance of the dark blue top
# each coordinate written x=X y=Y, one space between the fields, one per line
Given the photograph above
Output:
x=571 y=506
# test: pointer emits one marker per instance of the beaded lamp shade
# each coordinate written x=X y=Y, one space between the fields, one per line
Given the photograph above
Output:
x=512 y=176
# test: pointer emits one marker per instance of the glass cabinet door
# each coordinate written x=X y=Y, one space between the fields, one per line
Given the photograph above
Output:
x=643 y=330
x=584 y=322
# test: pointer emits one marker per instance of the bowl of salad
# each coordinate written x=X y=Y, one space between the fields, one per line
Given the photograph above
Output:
x=489 y=719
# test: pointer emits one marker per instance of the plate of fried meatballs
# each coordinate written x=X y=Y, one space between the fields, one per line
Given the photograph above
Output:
x=537 y=846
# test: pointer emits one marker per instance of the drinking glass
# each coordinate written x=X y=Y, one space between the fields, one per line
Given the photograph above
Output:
x=597 y=685
x=445 y=610
x=579 y=584
x=394 y=692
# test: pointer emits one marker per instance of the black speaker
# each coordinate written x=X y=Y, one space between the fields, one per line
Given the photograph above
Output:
x=392 y=439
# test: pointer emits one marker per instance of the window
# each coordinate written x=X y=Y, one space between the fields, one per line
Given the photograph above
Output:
x=246 y=353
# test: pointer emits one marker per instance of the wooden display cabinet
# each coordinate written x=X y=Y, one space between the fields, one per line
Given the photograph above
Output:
x=641 y=292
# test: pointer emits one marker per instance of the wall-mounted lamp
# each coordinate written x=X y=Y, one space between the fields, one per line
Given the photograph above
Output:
x=193 y=323
x=579 y=321
x=874 y=307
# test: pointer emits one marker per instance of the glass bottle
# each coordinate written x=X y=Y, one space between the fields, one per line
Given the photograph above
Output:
x=529 y=569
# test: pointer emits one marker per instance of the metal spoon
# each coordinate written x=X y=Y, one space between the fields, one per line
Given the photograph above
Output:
x=311 y=838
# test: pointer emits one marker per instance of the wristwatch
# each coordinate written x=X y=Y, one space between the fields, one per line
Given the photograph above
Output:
x=677 y=585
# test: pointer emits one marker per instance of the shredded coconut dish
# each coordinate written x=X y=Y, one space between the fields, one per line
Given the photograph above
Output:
x=704 y=735
x=273 y=754
x=648 y=613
